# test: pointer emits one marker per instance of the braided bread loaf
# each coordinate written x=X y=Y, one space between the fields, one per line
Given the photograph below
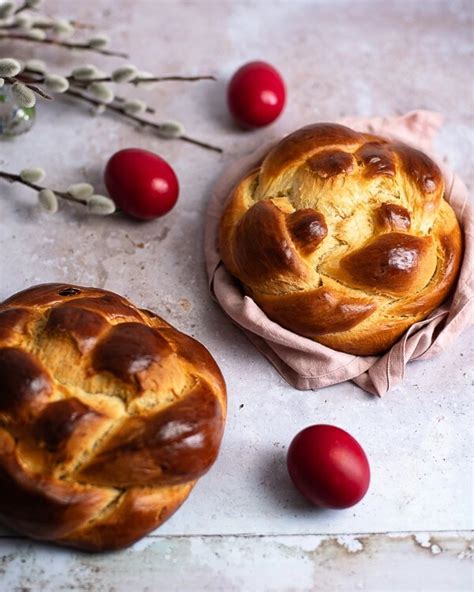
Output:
x=108 y=416
x=343 y=237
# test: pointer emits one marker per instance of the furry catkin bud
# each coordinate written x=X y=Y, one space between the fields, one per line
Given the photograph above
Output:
x=63 y=27
x=170 y=129
x=9 y=67
x=32 y=175
x=134 y=106
x=80 y=191
x=24 y=96
x=48 y=201
x=56 y=83
x=101 y=91
x=124 y=73
x=101 y=205
x=36 y=66
x=38 y=34
x=86 y=72
x=99 y=41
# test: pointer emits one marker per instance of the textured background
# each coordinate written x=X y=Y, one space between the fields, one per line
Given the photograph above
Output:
x=244 y=527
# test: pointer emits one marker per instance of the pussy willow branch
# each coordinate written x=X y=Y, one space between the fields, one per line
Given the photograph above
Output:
x=83 y=84
x=45 y=25
x=143 y=122
x=137 y=81
x=59 y=43
x=80 y=83
x=71 y=92
x=28 y=76
x=13 y=178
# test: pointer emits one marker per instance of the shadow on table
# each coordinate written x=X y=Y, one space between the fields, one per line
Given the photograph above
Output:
x=277 y=484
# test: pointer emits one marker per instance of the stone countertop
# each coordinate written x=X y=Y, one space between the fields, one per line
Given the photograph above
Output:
x=244 y=527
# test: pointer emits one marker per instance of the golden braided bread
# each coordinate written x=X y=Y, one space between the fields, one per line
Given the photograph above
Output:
x=343 y=237
x=108 y=416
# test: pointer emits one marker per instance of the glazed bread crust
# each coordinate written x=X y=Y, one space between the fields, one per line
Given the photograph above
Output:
x=108 y=416
x=343 y=237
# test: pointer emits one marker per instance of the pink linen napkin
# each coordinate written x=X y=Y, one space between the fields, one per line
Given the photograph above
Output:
x=306 y=364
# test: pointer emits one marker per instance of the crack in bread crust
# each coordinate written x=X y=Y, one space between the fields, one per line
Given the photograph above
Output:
x=108 y=416
x=375 y=242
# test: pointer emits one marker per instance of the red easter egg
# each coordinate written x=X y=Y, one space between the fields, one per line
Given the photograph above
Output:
x=328 y=466
x=141 y=183
x=256 y=94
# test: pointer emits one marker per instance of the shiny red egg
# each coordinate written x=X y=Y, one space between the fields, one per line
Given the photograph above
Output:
x=256 y=94
x=328 y=466
x=141 y=183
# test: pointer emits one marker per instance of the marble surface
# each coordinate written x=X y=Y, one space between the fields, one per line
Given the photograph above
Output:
x=338 y=58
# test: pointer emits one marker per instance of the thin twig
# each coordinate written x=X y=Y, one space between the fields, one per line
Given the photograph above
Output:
x=39 y=91
x=202 y=144
x=137 y=81
x=66 y=44
x=145 y=123
x=13 y=178
x=21 y=8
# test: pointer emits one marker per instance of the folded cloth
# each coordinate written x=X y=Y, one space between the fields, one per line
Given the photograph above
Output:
x=306 y=364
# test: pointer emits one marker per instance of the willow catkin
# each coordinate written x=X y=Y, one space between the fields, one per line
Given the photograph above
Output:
x=9 y=67
x=80 y=191
x=32 y=175
x=24 y=96
x=56 y=83
x=100 y=205
x=124 y=73
x=48 y=201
